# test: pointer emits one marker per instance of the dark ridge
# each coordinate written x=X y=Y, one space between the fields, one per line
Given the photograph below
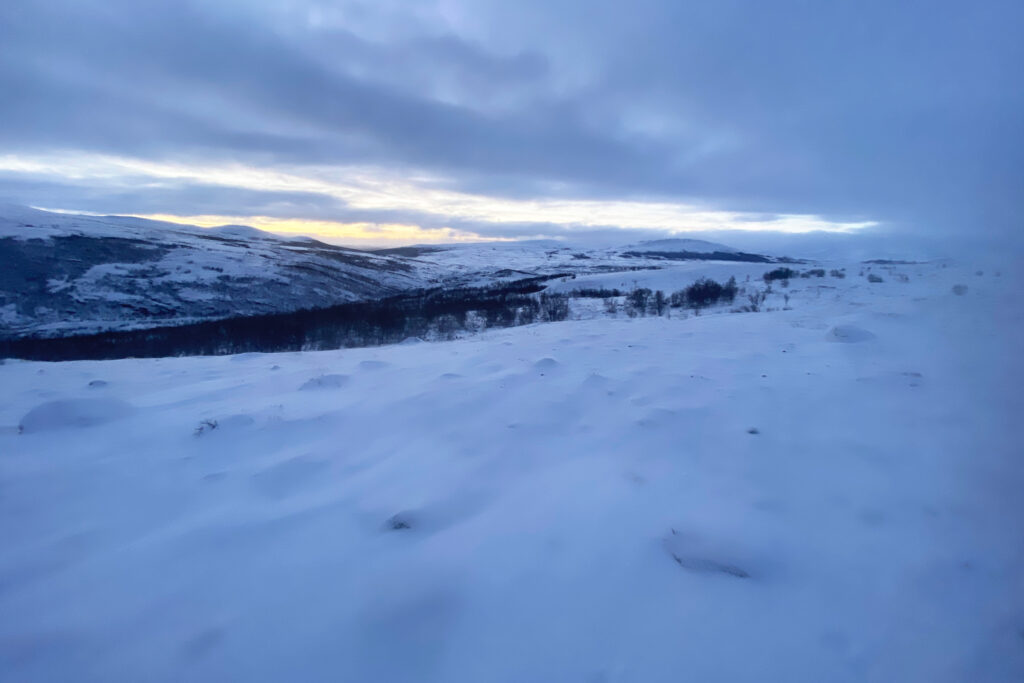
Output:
x=699 y=256
x=509 y=272
x=411 y=252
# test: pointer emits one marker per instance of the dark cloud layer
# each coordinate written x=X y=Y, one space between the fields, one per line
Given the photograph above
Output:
x=905 y=112
x=170 y=198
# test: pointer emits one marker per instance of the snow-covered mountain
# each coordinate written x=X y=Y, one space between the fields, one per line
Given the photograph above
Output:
x=67 y=273
x=690 y=250
x=680 y=245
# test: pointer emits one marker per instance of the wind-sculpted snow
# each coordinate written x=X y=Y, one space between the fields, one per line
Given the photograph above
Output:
x=728 y=497
x=849 y=334
x=73 y=413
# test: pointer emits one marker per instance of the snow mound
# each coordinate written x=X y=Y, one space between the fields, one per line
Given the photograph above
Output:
x=700 y=557
x=546 y=364
x=400 y=520
x=237 y=421
x=325 y=382
x=848 y=334
x=73 y=413
x=290 y=477
x=438 y=515
x=244 y=357
x=894 y=381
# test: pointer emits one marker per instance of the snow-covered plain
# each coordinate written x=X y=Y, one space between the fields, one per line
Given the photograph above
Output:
x=827 y=493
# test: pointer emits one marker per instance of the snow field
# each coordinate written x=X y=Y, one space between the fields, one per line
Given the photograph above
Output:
x=822 y=493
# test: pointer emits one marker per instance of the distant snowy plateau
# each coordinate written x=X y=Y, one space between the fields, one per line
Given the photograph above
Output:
x=828 y=489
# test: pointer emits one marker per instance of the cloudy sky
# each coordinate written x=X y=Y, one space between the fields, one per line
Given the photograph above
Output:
x=394 y=120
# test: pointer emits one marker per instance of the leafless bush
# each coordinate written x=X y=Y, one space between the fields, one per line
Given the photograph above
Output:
x=205 y=426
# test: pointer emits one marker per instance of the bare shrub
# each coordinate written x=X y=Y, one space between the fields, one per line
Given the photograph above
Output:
x=780 y=274
x=205 y=426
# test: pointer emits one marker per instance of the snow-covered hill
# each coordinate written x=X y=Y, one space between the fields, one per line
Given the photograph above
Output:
x=480 y=263
x=70 y=273
x=485 y=262
x=681 y=245
x=66 y=273
x=826 y=493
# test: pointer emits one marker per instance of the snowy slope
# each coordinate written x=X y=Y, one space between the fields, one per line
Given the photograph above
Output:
x=823 y=493
x=70 y=273
x=479 y=263
x=484 y=262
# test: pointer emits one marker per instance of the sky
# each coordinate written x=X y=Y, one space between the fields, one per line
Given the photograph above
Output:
x=395 y=121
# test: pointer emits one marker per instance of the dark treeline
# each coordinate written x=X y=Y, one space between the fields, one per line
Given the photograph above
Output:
x=781 y=274
x=595 y=293
x=439 y=313
x=699 y=256
x=786 y=274
x=701 y=294
x=434 y=314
